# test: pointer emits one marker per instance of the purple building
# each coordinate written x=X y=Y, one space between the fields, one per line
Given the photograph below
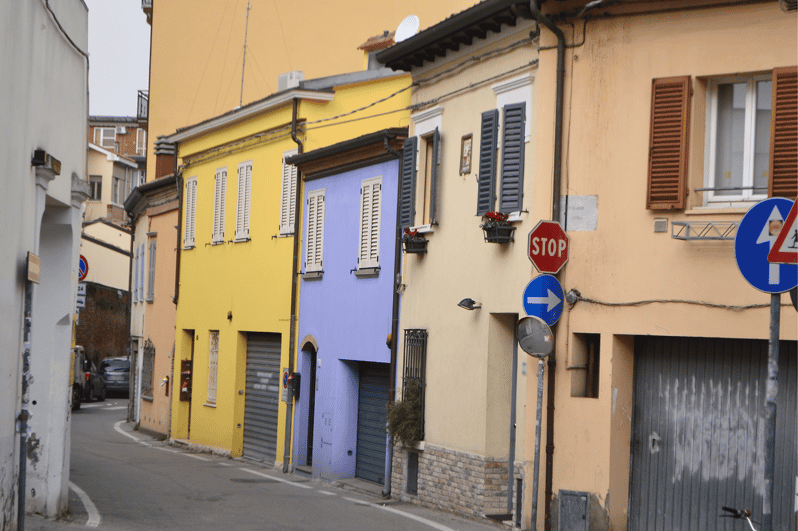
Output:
x=346 y=308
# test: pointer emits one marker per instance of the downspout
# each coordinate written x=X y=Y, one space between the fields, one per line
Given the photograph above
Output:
x=555 y=215
x=179 y=185
x=397 y=271
x=289 y=405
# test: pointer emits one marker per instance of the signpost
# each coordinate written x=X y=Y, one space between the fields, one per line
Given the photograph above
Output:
x=548 y=247
x=543 y=297
x=83 y=268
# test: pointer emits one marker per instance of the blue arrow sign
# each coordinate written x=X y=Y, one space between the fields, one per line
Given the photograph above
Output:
x=756 y=234
x=543 y=297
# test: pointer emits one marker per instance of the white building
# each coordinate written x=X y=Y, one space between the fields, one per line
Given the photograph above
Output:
x=44 y=105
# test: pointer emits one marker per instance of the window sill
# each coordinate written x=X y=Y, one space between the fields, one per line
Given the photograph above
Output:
x=217 y=243
x=423 y=229
x=367 y=272
x=188 y=247
x=149 y=301
x=312 y=275
x=207 y=404
x=516 y=217
x=713 y=210
x=242 y=240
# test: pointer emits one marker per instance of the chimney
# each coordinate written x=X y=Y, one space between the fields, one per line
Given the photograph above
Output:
x=164 y=158
x=289 y=80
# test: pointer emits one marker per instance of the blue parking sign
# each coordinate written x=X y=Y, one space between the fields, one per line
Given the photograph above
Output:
x=756 y=235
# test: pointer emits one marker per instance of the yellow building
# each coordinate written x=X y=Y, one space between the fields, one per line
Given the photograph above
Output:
x=235 y=318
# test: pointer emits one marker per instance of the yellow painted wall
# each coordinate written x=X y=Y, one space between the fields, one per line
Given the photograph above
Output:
x=607 y=121
x=319 y=38
x=252 y=279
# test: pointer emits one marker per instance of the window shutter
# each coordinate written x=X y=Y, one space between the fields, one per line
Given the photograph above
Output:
x=486 y=181
x=191 y=210
x=784 y=134
x=219 y=206
x=433 y=202
x=370 y=201
x=151 y=279
x=512 y=187
x=136 y=276
x=288 y=195
x=407 y=191
x=141 y=272
x=244 y=196
x=315 y=238
x=374 y=225
x=669 y=141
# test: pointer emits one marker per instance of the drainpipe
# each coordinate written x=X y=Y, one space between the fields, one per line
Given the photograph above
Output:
x=397 y=271
x=289 y=405
x=555 y=215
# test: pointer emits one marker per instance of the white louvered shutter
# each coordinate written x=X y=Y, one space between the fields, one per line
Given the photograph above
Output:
x=315 y=240
x=288 y=195
x=370 y=200
x=244 y=196
x=191 y=212
x=219 y=205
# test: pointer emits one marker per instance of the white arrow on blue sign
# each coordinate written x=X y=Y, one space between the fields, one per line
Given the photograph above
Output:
x=756 y=234
x=543 y=297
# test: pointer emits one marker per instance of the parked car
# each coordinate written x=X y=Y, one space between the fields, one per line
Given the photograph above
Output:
x=87 y=383
x=116 y=374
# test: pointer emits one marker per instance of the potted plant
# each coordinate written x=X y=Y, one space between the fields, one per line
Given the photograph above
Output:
x=404 y=418
x=414 y=242
x=496 y=228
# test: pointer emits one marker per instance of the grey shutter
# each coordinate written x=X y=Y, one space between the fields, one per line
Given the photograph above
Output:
x=512 y=187
x=407 y=191
x=486 y=181
x=433 y=200
x=151 y=275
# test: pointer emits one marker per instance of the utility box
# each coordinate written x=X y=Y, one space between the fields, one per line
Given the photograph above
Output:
x=574 y=511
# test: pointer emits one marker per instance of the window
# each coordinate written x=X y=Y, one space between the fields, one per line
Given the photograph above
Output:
x=314 y=252
x=511 y=188
x=118 y=189
x=140 y=178
x=288 y=195
x=369 y=238
x=191 y=213
x=218 y=205
x=420 y=171
x=738 y=138
x=141 y=142
x=244 y=193
x=213 y=366
x=105 y=137
x=585 y=365
x=414 y=368
x=148 y=370
x=95 y=187
x=151 y=273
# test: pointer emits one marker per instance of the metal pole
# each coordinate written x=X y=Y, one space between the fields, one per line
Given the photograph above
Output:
x=771 y=392
x=24 y=414
x=511 y=458
x=244 y=62
x=538 y=419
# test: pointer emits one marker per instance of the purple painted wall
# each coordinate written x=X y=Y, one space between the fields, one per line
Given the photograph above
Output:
x=349 y=318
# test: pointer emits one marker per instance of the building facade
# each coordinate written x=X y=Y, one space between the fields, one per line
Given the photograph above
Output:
x=45 y=108
x=346 y=309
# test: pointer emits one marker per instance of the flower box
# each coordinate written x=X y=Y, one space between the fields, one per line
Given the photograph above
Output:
x=415 y=245
x=498 y=233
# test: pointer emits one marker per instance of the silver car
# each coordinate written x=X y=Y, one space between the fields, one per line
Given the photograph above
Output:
x=116 y=375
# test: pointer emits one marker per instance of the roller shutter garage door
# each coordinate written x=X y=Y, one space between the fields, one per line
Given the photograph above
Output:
x=698 y=438
x=262 y=398
x=371 y=412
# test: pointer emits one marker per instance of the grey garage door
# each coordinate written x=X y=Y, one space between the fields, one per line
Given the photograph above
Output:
x=372 y=408
x=698 y=437
x=262 y=398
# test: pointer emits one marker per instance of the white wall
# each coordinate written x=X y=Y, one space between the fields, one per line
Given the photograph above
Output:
x=44 y=105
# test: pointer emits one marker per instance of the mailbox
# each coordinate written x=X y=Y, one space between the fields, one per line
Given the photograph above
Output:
x=185 y=380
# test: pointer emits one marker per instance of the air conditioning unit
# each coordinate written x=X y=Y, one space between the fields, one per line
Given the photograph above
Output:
x=121 y=130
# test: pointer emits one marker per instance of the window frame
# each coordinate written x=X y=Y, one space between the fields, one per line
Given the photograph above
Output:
x=100 y=137
x=746 y=197
x=95 y=188
x=141 y=142
x=428 y=125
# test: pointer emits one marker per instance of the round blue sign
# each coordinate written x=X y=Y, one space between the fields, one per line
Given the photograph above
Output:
x=543 y=297
x=83 y=268
x=756 y=234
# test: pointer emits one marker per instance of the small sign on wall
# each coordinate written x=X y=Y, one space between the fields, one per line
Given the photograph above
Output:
x=579 y=213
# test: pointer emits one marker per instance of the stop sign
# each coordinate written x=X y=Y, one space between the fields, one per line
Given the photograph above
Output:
x=548 y=247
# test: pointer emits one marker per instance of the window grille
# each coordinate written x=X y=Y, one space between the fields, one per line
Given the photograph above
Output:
x=148 y=364
x=415 y=361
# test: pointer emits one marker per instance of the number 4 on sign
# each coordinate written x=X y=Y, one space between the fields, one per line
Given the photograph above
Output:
x=785 y=246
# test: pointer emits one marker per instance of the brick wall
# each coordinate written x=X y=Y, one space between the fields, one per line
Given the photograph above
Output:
x=453 y=481
x=103 y=327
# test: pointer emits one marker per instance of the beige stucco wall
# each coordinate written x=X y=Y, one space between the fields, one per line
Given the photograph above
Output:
x=108 y=267
x=469 y=354
x=607 y=120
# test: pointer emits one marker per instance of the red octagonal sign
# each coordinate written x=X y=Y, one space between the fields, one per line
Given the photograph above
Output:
x=548 y=247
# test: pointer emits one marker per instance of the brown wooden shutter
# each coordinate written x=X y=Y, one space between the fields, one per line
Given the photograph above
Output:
x=784 y=134
x=670 y=136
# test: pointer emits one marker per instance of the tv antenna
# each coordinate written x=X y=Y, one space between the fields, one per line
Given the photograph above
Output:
x=244 y=63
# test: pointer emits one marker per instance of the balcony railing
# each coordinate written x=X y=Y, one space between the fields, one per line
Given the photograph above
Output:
x=143 y=105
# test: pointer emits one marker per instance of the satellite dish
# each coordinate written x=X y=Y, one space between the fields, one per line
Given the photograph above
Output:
x=534 y=336
x=407 y=28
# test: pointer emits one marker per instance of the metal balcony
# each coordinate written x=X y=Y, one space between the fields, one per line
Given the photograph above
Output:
x=143 y=106
x=704 y=230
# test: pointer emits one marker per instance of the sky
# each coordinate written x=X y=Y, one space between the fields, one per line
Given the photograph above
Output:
x=119 y=56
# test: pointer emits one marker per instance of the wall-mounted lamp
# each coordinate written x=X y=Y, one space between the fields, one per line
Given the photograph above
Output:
x=229 y=316
x=469 y=304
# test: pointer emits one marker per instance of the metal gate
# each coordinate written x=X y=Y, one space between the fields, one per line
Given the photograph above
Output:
x=698 y=437
x=262 y=398
x=371 y=412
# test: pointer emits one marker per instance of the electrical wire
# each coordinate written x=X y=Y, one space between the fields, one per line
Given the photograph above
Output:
x=580 y=298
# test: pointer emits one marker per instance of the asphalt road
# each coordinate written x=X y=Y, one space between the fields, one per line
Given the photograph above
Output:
x=121 y=479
